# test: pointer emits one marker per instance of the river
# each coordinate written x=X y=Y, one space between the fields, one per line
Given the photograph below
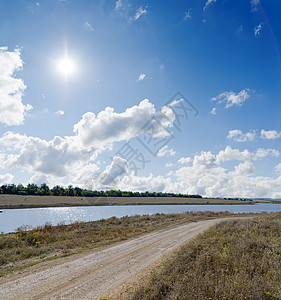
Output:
x=11 y=219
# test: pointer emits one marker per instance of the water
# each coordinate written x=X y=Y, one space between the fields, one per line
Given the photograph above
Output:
x=11 y=219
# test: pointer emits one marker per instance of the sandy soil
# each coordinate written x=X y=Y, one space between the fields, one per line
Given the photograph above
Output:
x=10 y=201
x=101 y=272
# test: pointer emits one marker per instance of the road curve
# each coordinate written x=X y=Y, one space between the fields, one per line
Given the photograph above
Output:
x=99 y=272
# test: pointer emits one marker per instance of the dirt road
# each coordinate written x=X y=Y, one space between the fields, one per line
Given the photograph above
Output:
x=101 y=272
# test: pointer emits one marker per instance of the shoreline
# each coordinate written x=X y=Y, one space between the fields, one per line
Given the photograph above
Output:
x=20 y=202
x=130 y=204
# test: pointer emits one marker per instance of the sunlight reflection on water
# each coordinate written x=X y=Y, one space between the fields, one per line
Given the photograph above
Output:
x=11 y=219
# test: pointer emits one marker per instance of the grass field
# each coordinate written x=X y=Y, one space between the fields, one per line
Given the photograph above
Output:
x=234 y=260
x=23 y=248
x=18 y=201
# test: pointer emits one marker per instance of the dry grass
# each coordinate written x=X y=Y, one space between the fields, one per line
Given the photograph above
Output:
x=17 y=201
x=234 y=260
x=23 y=247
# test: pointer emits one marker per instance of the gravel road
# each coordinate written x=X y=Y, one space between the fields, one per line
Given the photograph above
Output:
x=100 y=272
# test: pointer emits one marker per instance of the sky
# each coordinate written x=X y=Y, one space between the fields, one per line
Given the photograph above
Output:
x=165 y=96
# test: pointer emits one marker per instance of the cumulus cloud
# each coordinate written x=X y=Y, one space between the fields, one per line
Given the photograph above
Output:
x=209 y=2
x=229 y=154
x=184 y=160
x=245 y=168
x=60 y=112
x=113 y=173
x=108 y=126
x=6 y=178
x=258 y=29
x=232 y=99
x=12 y=110
x=140 y=12
x=205 y=175
x=141 y=77
x=169 y=165
x=270 y=134
x=165 y=151
x=71 y=155
x=278 y=168
x=239 y=136
x=214 y=111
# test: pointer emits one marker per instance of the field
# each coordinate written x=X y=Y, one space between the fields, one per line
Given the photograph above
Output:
x=18 y=201
x=233 y=260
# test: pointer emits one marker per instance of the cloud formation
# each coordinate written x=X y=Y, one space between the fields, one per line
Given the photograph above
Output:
x=12 y=110
x=209 y=2
x=165 y=151
x=258 y=29
x=270 y=134
x=239 y=136
x=141 y=77
x=232 y=99
x=140 y=12
x=187 y=14
x=69 y=155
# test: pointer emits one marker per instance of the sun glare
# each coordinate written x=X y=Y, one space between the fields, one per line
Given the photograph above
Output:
x=66 y=67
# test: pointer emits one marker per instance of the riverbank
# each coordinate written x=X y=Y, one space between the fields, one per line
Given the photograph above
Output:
x=25 y=201
x=23 y=248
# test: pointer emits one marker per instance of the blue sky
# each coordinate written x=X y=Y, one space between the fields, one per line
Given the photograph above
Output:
x=81 y=80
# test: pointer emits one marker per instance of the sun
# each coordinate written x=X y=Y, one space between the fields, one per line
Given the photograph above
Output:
x=66 y=67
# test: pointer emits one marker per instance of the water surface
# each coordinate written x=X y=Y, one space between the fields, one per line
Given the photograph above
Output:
x=11 y=219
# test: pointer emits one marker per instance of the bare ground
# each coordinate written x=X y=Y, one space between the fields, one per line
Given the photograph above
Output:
x=107 y=272
x=18 y=201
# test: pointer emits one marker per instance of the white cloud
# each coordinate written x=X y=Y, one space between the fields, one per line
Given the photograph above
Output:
x=230 y=154
x=71 y=155
x=118 y=4
x=169 y=165
x=184 y=160
x=113 y=173
x=187 y=14
x=6 y=178
x=108 y=126
x=141 y=77
x=214 y=111
x=232 y=99
x=245 y=168
x=89 y=26
x=59 y=112
x=239 y=136
x=165 y=151
x=278 y=168
x=258 y=29
x=255 y=5
x=140 y=12
x=12 y=110
x=205 y=176
x=270 y=134
x=208 y=3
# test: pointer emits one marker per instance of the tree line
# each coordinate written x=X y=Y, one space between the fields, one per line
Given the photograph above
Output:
x=44 y=190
